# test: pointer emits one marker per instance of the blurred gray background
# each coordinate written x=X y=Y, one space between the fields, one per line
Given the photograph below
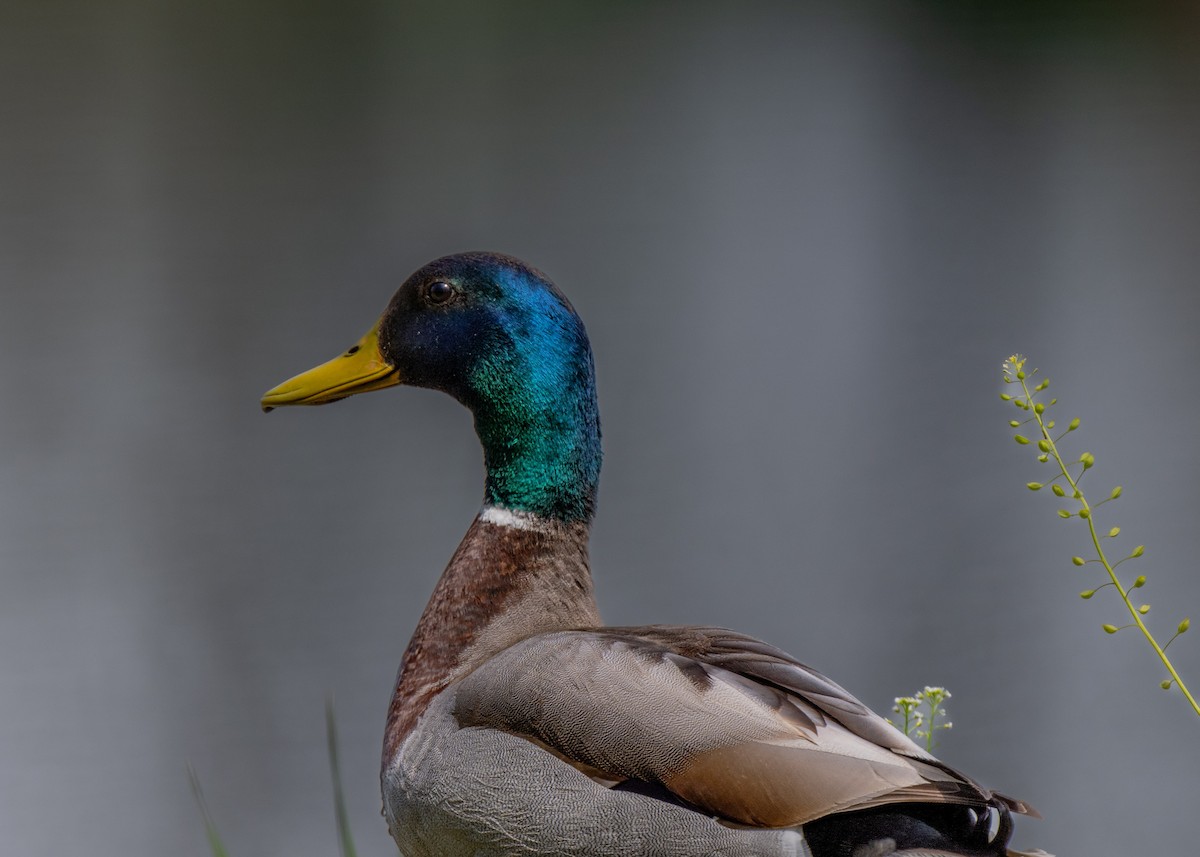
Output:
x=803 y=237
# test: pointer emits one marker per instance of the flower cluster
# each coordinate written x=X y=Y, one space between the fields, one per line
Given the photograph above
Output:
x=913 y=718
x=1064 y=485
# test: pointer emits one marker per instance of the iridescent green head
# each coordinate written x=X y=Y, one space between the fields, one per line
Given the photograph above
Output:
x=498 y=336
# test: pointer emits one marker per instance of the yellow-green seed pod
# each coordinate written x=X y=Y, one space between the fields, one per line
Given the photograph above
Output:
x=1074 y=424
x=1021 y=439
x=1005 y=396
x=1053 y=402
x=1138 y=551
x=1014 y=423
x=1058 y=490
x=1033 y=486
x=1114 y=532
x=1110 y=629
x=1043 y=458
x=1144 y=609
x=1020 y=375
x=1044 y=445
x=1116 y=492
x=1085 y=513
x=1039 y=408
x=1087 y=593
x=1088 y=460
x=1165 y=684
x=1140 y=582
x=1063 y=513
x=1078 y=560
x=1183 y=626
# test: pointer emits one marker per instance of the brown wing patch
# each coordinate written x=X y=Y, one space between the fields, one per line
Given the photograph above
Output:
x=751 y=738
x=767 y=785
x=824 y=698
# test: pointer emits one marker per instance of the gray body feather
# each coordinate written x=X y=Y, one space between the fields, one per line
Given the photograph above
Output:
x=451 y=792
x=520 y=755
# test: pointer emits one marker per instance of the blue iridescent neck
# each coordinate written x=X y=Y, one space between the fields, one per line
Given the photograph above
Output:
x=533 y=395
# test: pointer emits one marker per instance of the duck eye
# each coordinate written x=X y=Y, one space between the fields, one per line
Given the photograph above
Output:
x=439 y=292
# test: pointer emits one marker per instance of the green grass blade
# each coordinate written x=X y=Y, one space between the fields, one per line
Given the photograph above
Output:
x=214 y=840
x=345 y=840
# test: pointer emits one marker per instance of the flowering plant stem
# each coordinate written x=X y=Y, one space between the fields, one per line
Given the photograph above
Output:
x=1048 y=445
x=912 y=717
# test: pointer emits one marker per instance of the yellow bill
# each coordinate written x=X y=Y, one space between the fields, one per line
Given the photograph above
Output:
x=359 y=370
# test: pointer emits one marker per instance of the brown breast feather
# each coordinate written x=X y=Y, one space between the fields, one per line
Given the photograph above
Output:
x=502 y=585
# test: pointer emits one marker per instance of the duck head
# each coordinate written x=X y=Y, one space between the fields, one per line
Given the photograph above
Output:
x=502 y=339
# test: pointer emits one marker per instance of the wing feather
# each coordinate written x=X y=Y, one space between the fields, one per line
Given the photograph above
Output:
x=725 y=722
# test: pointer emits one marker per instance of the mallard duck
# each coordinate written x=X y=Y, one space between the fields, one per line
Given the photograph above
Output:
x=521 y=725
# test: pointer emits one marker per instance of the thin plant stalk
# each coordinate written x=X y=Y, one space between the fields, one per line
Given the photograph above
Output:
x=210 y=828
x=345 y=840
x=1048 y=445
